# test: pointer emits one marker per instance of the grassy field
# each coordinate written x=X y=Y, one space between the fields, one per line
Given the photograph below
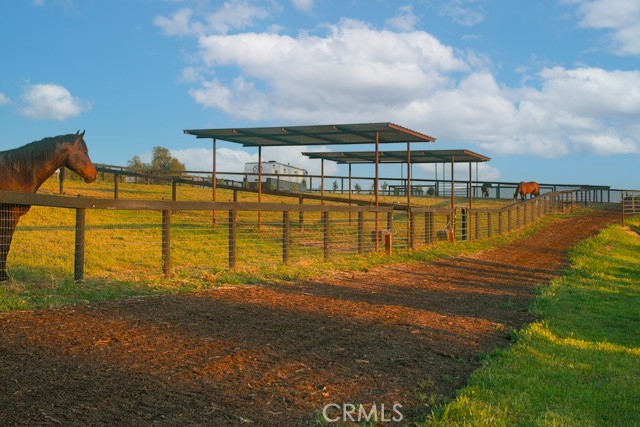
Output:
x=76 y=187
x=580 y=364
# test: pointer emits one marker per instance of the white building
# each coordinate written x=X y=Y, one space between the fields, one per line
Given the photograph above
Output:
x=277 y=175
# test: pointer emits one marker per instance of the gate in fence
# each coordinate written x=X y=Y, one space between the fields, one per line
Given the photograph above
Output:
x=630 y=204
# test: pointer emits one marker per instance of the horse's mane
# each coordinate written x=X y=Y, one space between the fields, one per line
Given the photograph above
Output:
x=25 y=157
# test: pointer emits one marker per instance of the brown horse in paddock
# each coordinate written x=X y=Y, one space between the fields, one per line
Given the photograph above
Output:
x=485 y=189
x=525 y=188
x=26 y=168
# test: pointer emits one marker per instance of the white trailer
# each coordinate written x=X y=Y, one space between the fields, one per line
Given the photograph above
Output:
x=277 y=175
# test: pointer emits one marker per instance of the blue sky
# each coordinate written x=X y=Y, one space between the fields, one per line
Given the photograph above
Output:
x=550 y=90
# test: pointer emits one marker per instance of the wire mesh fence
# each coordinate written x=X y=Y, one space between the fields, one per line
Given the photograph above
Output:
x=122 y=244
x=42 y=245
x=144 y=239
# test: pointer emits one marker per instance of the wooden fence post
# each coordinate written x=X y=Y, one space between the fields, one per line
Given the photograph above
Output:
x=360 y=232
x=325 y=223
x=476 y=218
x=78 y=260
x=285 y=237
x=166 y=243
x=463 y=223
x=300 y=214
x=233 y=219
x=412 y=229
x=174 y=190
x=116 y=184
x=61 y=179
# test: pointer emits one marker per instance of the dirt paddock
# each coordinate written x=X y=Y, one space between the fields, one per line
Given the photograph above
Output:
x=277 y=354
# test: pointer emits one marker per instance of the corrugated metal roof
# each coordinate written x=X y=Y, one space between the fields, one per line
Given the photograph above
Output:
x=417 y=156
x=362 y=133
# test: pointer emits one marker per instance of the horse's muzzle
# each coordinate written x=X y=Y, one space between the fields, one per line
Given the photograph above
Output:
x=91 y=176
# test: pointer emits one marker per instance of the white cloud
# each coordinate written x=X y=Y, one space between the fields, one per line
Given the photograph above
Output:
x=191 y=75
x=38 y=2
x=233 y=160
x=200 y=159
x=303 y=5
x=592 y=92
x=4 y=99
x=605 y=143
x=486 y=172
x=576 y=110
x=234 y=14
x=621 y=17
x=312 y=77
x=463 y=12
x=405 y=19
x=51 y=101
x=179 y=24
x=354 y=72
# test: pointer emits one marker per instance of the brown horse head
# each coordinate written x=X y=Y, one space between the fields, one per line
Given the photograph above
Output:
x=78 y=159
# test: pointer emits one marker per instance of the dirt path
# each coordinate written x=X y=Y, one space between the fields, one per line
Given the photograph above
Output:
x=276 y=355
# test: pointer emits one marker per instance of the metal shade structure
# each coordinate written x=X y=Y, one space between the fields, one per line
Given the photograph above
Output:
x=413 y=157
x=409 y=157
x=333 y=134
x=330 y=134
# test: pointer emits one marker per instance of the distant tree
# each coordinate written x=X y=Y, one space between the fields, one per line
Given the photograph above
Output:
x=163 y=161
x=384 y=186
x=136 y=163
x=177 y=165
x=335 y=186
x=358 y=188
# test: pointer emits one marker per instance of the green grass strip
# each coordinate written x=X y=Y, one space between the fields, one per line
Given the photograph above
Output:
x=580 y=364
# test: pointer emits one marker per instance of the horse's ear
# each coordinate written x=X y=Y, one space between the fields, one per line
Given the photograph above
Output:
x=78 y=137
